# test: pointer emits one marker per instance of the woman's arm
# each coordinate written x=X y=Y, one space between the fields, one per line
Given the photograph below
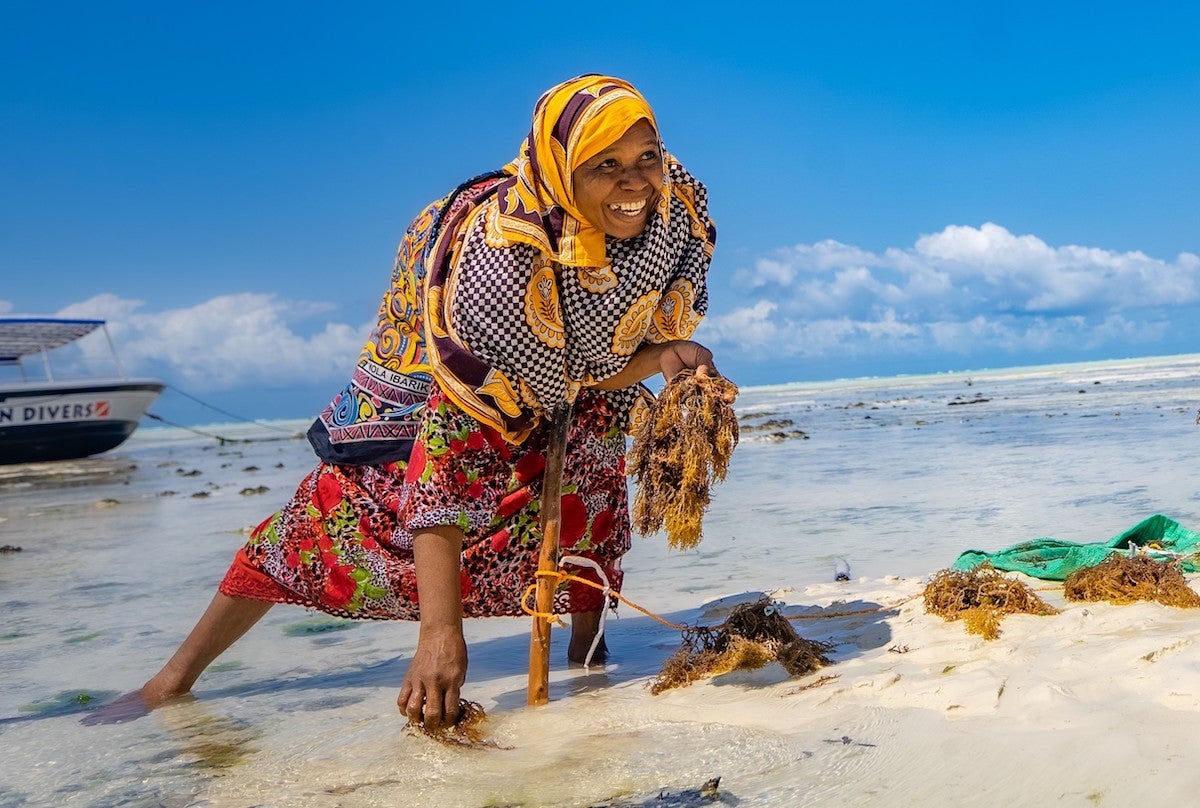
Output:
x=430 y=692
x=667 y=358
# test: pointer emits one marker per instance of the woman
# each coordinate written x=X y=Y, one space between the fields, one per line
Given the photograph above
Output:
x=573 y=274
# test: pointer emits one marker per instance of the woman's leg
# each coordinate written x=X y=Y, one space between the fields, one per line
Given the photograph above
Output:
x=584 y=626
x=226 y=619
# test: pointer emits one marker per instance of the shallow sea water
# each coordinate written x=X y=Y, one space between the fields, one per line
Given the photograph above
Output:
x=119 y=554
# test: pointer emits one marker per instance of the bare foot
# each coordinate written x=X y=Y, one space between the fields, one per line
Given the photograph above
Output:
x=223 y=622
x=584 y=626
x=132 y=705
x=126 y=708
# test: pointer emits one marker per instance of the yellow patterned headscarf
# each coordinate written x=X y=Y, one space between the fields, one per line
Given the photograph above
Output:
x=572 y=122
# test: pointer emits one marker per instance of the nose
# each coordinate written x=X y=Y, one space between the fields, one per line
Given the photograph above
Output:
x=634 y=178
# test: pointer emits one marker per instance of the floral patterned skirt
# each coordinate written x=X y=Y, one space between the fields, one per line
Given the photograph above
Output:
x=343 y=544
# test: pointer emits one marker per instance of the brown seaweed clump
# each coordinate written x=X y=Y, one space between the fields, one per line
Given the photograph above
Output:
x=1124 y=579
x=681 y=446
x=755 y=635
x=466 y=731
x=980 y=598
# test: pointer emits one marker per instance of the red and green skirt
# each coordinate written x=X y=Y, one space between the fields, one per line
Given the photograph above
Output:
x=344 y=543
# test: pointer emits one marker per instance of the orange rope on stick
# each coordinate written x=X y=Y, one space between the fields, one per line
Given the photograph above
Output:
x=561 y=577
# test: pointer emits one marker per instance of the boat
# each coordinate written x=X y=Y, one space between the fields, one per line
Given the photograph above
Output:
x=48 y=418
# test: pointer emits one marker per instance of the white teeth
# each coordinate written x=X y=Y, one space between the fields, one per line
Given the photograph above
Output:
x=630 y=208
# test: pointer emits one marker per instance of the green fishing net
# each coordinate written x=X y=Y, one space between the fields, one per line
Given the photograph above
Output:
x=1055 y=559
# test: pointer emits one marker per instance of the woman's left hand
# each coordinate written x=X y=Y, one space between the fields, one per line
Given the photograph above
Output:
x=683 y=354
x=667 y=358
x=430 y=694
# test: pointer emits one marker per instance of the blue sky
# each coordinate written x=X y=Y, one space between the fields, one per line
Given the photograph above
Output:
x=898 y=188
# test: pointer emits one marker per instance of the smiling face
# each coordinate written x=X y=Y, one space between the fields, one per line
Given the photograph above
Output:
x=616 y=190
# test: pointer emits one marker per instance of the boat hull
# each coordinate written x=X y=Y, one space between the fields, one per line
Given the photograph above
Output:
x=65 y=421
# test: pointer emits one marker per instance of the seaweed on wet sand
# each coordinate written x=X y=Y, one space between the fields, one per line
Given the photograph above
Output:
x=981 y=598
x=755 y=634
x=466 y=731
x=1123 y=579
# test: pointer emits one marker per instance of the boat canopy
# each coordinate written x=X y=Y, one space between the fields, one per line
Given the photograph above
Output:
x=24 y=336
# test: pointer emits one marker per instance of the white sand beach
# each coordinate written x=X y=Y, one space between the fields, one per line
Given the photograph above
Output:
x=1094 y=706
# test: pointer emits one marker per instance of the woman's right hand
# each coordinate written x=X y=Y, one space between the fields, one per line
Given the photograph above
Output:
x=430 y=693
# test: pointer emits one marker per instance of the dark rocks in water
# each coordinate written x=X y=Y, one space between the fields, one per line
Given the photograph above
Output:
x=774 y=429
x=10 y=548
x=794 y=433
x=768 y=425
x=960 y=400
x=247 y=492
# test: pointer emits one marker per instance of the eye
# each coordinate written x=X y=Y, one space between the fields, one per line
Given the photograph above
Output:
x=650 y=154
x=607 y=166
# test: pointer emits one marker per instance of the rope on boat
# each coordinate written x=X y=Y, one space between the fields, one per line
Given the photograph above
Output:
x=290 y=434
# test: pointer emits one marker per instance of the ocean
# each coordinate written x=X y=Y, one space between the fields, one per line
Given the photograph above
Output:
x=888 y=479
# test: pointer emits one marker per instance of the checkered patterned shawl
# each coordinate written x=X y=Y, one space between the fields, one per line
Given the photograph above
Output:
x=510 y=332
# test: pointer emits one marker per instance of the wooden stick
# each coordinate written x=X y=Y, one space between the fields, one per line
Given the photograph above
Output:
x=539 y=641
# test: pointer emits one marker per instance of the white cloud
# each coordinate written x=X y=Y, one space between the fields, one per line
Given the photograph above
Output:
x=988 y=263
x=781 y=267
x=103 y=307
x=750 y=326
x=229 y=341
x=757 y=335
x=1023 y=273
x=987 y=246
x=962 y=290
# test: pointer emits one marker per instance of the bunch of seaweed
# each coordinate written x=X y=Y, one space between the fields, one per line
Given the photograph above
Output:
x=682 y=445
x=466 y=731
x=755 y=634
x=1124 y=579
x=980 y=598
